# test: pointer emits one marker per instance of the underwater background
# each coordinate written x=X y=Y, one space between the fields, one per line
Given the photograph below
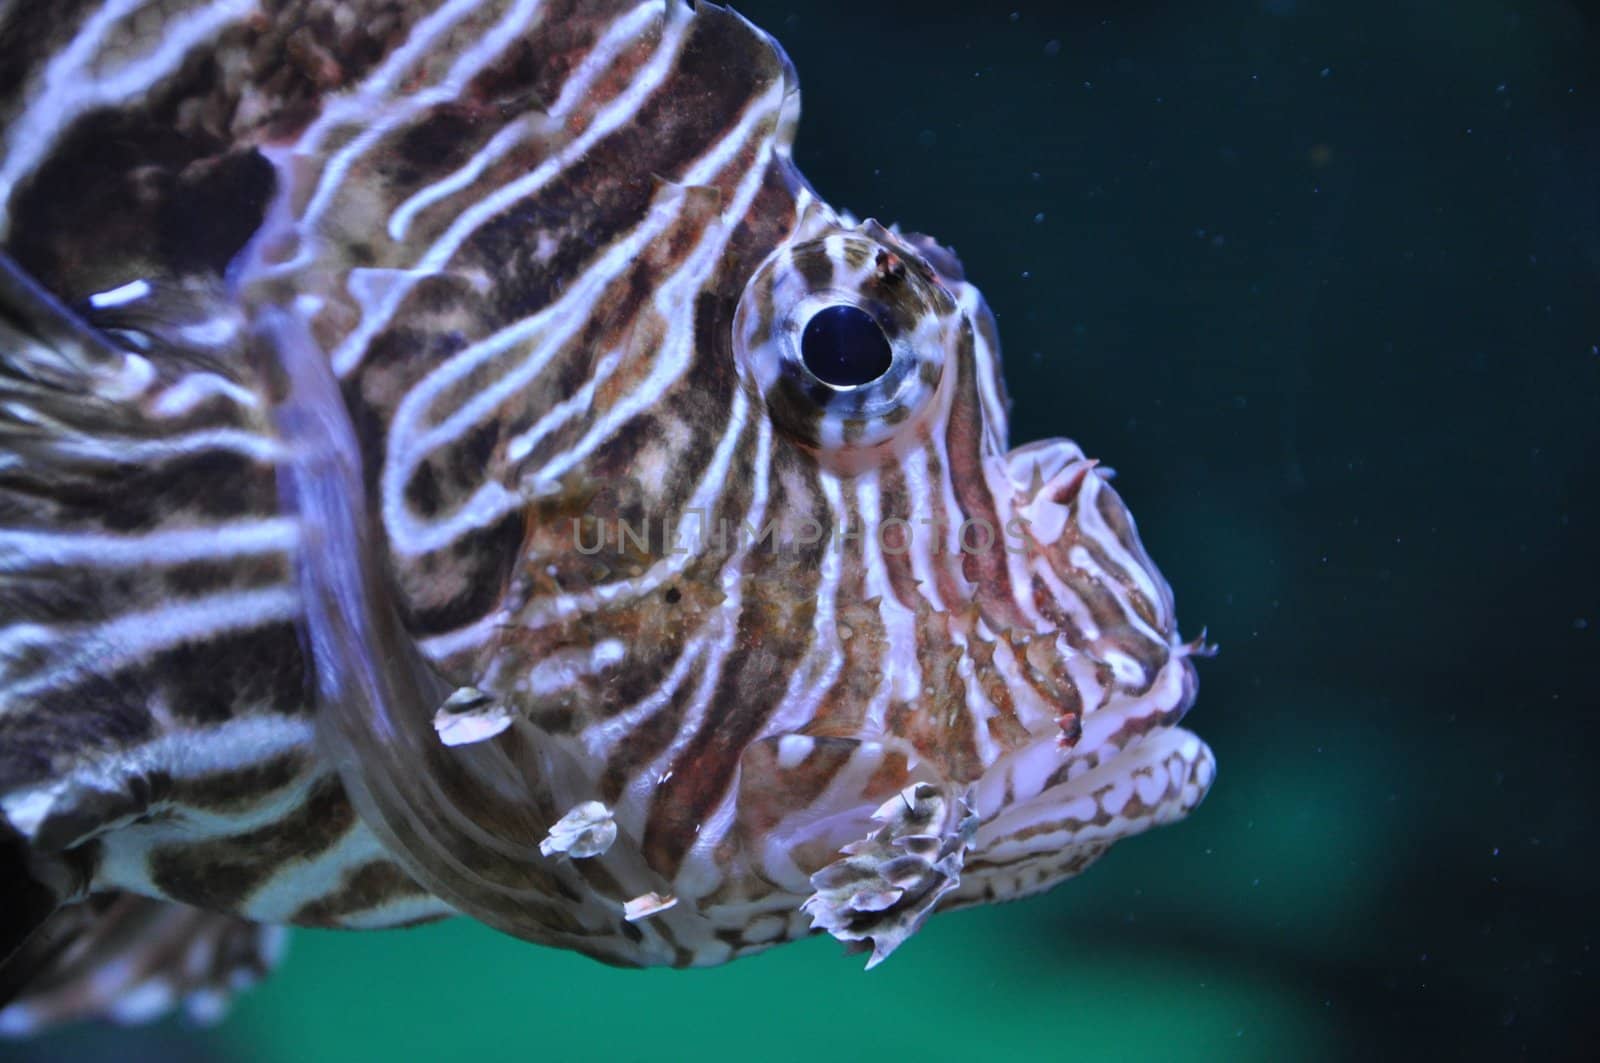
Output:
x=1321 y=280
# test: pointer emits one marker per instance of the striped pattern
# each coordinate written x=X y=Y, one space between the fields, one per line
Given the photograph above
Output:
x=454 y=347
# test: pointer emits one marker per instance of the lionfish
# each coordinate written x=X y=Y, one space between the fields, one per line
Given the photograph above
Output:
x=452 y=462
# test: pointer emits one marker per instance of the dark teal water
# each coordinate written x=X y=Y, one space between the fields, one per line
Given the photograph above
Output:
x=1322 y=281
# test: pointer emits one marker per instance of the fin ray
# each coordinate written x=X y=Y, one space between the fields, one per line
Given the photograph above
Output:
x=131 y=959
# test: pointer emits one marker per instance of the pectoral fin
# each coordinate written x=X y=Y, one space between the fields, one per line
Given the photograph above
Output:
x=131 y=959
x=883 y=887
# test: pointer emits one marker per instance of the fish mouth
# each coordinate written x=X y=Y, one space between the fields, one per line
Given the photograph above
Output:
x=1039 y=814
x=1104 y=737
x=1027 y=846
x=1048 y=809
x=1107 y=660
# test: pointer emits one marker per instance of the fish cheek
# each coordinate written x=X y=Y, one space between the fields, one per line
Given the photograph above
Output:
x=803 y=797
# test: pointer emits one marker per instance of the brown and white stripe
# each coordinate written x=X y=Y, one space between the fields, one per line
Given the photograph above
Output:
x=554 y=261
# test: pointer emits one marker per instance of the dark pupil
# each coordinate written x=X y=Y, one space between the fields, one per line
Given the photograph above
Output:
x=843 y=346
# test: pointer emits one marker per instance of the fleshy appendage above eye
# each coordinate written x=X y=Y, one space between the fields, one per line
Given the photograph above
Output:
x=846 y=338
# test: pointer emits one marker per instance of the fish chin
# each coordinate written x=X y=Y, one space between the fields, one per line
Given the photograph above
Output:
x=1044 y=813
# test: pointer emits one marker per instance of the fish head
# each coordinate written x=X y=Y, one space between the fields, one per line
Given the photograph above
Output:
x=693 y=499
x=995 y=627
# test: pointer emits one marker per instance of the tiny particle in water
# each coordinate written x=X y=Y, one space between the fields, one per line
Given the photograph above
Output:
x=927 y=138
x=1581 y=624
x=1052 y=48
x=1038 y=218
x=1326 y=71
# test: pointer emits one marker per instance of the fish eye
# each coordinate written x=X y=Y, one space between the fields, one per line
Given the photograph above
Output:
x=845 y=338
x=844 y=347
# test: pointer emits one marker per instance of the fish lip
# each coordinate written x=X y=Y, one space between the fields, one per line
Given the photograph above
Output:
x=998 y=824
